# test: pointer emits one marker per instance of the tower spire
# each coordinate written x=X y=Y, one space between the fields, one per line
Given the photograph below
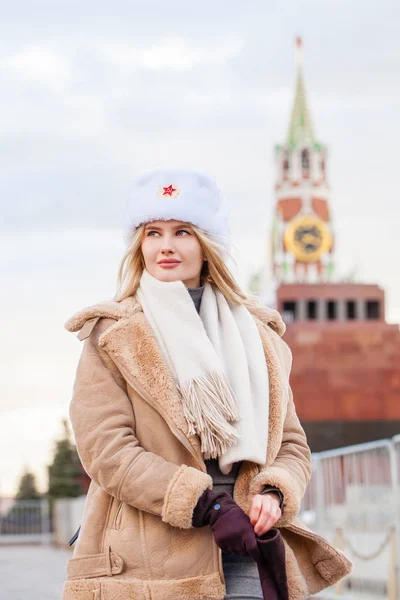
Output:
x=302 y=231
x=299 y=52
x=300 y=129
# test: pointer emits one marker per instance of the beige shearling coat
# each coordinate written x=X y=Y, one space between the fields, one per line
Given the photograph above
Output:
x=136 y=539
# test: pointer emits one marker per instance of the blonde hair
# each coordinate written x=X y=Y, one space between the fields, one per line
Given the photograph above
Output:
x=214 y=268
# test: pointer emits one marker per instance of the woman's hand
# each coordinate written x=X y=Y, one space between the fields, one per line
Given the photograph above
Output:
x=264 y=512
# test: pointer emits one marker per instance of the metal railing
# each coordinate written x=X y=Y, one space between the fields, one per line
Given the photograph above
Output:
x=353 y=501
x=24 y=521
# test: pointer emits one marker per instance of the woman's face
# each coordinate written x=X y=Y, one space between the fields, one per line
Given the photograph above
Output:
x=172 y=252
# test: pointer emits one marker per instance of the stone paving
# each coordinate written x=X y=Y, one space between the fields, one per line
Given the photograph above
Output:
x=32 y=572
x=38 y=573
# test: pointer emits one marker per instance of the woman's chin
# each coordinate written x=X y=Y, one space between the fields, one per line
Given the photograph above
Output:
x=163 y=274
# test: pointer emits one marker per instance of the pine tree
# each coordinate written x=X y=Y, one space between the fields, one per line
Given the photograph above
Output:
x=27 y=487
x=65 y=470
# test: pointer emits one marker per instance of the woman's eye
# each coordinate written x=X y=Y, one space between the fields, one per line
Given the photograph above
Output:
x=152 y=232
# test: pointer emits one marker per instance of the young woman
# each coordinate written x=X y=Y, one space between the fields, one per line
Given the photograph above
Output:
x=184 y=420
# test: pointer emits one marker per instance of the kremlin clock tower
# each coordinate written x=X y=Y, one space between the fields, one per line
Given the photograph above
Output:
x=302 y=235
x=345 y=375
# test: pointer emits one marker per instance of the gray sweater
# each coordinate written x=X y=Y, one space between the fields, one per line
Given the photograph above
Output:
x=223 y=482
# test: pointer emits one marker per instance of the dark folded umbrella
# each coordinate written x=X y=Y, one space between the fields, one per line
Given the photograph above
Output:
x=272 y=567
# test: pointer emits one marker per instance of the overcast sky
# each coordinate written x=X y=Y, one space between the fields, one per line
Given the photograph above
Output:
x=94 y=92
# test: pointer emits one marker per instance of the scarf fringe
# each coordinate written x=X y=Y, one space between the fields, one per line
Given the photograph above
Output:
x=209 y=405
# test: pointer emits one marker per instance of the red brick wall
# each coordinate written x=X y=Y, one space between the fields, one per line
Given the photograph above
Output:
x=345 y=371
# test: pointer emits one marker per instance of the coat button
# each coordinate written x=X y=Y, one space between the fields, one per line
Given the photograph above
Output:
x=217 y=506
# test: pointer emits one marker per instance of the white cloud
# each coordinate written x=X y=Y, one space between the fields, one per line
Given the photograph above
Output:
x=170 y=54
x=39 y=64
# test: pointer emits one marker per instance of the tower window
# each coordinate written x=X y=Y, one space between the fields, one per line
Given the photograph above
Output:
x=289 y=309
x=350 y=309
x=311 y=309
x=331 y=310
x=305 y=160
x=372 y=311
x=286 y=163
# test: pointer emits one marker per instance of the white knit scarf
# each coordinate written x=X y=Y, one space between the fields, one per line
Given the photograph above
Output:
x=219 y=367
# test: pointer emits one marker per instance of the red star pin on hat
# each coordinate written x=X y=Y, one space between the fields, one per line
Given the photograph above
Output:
x=169 y=190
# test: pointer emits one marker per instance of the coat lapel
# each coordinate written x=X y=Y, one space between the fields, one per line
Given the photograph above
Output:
x=278 y=397
x=132 y=345
x=278 y=389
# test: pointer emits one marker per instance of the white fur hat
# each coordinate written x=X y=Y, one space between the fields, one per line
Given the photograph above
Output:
x=180 y=194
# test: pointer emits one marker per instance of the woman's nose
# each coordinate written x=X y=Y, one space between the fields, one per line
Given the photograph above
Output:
x=168 y=245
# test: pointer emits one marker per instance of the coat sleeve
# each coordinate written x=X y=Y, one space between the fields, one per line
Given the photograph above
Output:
x=291 y=471
x=103 y=422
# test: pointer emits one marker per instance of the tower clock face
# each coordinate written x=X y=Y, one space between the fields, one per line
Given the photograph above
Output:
x=308 y=238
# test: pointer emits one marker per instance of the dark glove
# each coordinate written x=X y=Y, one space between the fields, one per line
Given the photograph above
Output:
x=272 y=567
x=231 y=527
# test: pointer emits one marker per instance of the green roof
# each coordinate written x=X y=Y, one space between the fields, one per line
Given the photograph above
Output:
x=300 y=123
